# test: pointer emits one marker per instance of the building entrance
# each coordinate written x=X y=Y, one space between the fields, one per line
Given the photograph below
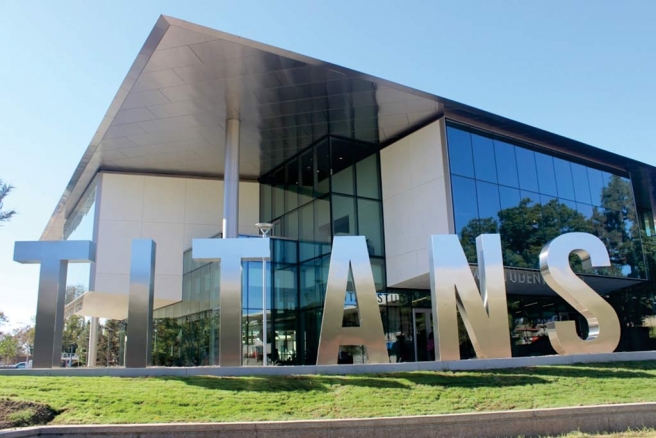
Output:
x=424 y=343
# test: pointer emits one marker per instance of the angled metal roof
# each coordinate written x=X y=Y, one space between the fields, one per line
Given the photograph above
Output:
x=169 y=113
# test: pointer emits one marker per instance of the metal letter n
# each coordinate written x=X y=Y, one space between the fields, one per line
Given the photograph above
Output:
x=484 y=313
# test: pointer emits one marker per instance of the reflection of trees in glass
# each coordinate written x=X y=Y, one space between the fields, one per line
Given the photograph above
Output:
x=527 y=227
x=182 y=341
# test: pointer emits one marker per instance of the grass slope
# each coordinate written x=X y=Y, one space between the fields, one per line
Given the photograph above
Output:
x=87 y=400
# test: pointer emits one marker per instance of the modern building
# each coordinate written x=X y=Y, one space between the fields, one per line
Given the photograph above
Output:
x=208 y=127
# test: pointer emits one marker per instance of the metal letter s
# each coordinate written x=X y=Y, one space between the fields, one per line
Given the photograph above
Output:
x=604 y=326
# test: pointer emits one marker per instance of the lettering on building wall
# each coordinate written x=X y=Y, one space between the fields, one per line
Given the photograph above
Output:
x=454 y=289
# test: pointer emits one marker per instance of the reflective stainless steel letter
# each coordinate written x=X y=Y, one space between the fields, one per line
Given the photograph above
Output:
x=140 y=306
x=54 y=256
x=230 y=252
x=603 y=324
x=351 y=252
x=485 y=314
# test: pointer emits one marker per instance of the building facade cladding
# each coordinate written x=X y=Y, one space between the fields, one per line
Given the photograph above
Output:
x=499 y=185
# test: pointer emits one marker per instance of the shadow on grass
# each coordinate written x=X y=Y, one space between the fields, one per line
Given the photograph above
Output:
x=590 y=371
x=325 y=383
x=406 y=380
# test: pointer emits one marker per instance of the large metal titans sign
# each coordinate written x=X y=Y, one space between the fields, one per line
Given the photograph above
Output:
x=454 y=290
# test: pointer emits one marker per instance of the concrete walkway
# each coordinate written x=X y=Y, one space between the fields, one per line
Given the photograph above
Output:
x=537 y=422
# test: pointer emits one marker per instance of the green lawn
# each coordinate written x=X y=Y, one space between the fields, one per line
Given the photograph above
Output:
x=196 y=399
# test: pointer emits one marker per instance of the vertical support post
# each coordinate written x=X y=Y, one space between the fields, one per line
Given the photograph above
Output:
x=92 y=354
x=49 y=321
x=140 y=304
x=231 y=180
x=264 y=311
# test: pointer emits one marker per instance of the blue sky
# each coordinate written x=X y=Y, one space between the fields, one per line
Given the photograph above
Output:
x=585 y=70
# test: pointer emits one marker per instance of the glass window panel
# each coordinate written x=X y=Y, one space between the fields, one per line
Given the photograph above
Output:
x=550 y=216
x=533 y=198
x=581 y=185
x=584 y=209
x=488 y=204
x=596 y=180
x=528 y=177
x=370 y=225
x=279 y=201
x=343 y=181
x=285 y=288
x=306 y=223
x=291 y=183
x=265 y=202
x=546 y=174
x=570 y=219
x=290 y=221
x=378 y=269
x=368 y=176
x=342 y=168
x=465 y=203
x=484 y=161
x=306 y=188
x=460 y=152
x=253 y=284
x=322 y=185
x=564 y=181
x=344 y=222
x=284 y=251
x=506 y=163
x=509 y=197
x=322 y=220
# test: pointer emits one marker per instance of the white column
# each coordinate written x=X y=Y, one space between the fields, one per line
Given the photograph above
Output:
x=93 y=342
x=231 y=180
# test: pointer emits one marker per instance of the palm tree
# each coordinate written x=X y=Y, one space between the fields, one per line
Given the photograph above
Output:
x=4 y=191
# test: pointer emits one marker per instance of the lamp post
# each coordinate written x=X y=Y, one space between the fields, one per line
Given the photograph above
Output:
x=264 y=229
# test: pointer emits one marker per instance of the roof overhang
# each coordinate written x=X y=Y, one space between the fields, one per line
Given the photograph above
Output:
x=169 y=114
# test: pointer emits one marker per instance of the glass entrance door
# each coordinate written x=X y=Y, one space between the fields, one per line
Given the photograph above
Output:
x=423 y=335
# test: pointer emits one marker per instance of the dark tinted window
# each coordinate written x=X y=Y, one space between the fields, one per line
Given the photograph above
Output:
x=484 y=162
x=488 y=201
x=528 y=177
x=464 y=201
x=596 y=181
x=581 y=185
x=564 y=179
x=460 y=152
x=509 y=197
x=506 y=164
x=546 y=174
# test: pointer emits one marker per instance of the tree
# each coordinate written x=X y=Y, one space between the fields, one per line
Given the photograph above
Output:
x=25 y=337
x=110 y=343
x=9 y=348
x=5 y=189
x=72 y=336
x=3 y=320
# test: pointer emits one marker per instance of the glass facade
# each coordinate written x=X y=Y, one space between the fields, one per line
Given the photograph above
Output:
x=499 y=185
x=529 y=197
